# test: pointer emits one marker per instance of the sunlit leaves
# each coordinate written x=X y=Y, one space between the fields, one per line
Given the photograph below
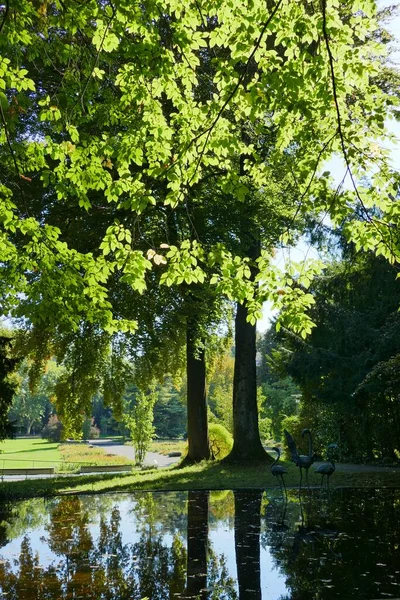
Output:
x=161 y=97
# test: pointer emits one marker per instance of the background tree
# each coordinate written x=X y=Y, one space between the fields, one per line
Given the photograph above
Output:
x=280 y=396
x=33 y=408
x=340 y=369
x=8 y=380
x=139 y=421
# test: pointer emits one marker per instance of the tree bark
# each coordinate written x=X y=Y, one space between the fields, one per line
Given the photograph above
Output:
x=247 y=444
x=197 y=424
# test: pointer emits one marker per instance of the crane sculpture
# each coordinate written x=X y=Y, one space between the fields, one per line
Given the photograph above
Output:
x=277 y=470
x=327 y=468
x=303 y=461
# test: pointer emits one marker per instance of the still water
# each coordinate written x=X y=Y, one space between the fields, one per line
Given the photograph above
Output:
x=208 y=545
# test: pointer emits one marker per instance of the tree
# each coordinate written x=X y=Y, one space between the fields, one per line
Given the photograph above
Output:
x=346 y=368
x=219 y=393
x=139 y=421
x=280 y=395
x=169 y=411
x=8 y=381
x=29 y=407
x=131 y=130
x=134 y=62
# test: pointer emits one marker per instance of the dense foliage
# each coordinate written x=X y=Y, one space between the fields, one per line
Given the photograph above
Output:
x=347 y=369
x=114 y=111
x=8 y=381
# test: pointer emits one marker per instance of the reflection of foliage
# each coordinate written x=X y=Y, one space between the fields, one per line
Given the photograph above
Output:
x=222 y=586
x=30 y=514
x=313 y=553
x=107 y=569
x=222 y=506
x=159 y=510
x=344 y=548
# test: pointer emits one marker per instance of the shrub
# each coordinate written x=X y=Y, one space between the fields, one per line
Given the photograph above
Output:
x=221 y=441
x=140 y=424
x=89 y=430
x=94 y=433
x=265 y=428
x=53 y=430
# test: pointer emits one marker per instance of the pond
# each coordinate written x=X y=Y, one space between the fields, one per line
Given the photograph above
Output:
x=243 y=545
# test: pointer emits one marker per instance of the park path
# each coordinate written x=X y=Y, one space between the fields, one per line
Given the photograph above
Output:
x=151 y=458
x=352 y=467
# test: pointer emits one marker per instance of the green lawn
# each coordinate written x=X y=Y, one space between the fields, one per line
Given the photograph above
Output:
x=30 y=452
x=35 y=452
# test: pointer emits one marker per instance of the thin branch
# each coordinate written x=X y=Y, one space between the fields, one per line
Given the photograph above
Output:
x=340 y=127
x=5 y=15
x=3 y=118
x=337 y=108
x=209 y=129
x=324 y=147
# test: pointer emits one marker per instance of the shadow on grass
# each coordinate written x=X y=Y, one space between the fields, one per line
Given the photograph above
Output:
x=28 y=451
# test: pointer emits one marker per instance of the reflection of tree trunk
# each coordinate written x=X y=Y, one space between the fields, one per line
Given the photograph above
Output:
x=197 y=427
x=247 y=444
x=197 y=541
x=247 y=543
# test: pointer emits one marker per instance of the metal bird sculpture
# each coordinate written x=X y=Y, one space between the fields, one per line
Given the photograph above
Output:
x=303 y=461
x=277 y=470
x=327 y=468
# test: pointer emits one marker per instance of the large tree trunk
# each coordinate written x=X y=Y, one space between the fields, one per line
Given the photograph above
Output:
x=197 y=425
x=247 y=444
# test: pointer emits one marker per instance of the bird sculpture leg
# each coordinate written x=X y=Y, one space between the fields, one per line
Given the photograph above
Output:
x=322 y=480
x=308 y=485
x=301 y=477
x=283 y=483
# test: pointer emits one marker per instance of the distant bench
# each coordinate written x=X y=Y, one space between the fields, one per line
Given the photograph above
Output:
x=106 y=468
x=29 y=471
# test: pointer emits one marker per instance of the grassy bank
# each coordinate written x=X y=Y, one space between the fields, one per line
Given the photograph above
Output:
x=212 y=475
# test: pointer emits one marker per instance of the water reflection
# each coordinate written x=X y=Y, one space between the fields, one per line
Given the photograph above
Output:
x=246 y=545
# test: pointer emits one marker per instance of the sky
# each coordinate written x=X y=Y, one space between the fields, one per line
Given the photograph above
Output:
x=303 y=251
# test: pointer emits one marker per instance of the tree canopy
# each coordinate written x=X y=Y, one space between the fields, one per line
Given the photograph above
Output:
x=111 y=110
